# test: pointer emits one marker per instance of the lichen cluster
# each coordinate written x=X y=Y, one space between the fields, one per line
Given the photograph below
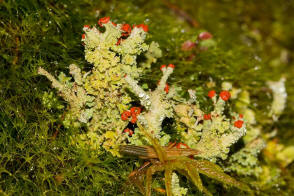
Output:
x=177 y=190
x=97 y=98
x=101 y=100
x=212 y=133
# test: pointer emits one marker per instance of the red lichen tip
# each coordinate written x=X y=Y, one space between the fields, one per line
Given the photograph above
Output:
x=207 y=116
x=135 y=110
x=126 y=28
x=238 y=123
x=181 y=145
x=127 y=130
x=118 y=41
x=171 y=66
x=114 y=24
x=83 y=36
x=103 y=20
x=241 y=115
x=162 y=66
x=166 y=88
x=143 y=26
x=225 y=95
x=134 y=119
x=86 y=26
x=125 y=115
x=204 y=36
x=211 y=93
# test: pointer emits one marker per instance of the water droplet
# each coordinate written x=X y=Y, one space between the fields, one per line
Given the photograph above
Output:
x=32 y=168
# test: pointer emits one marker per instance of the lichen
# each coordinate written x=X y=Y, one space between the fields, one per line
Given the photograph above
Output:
x=177 y=190
x=279 y=97
x=156 y=103
x=97 y=98
x=212 y=134
x=100 y=100
x=245 y=162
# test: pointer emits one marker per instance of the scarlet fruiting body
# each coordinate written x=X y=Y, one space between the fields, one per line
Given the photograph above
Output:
x=238 y=123
x=134 y=119
x=207 y=116
x=127 y=130
x=171 y=66
x=162 y=66
x=125 y=115
x=225 y=95
x=127 y=29
x=118 y=41
x=135 y=110
x=103 y=20
x=83 y=36
x=211 y=93
x=181 y=145
x=166 y=88
x=143 y=26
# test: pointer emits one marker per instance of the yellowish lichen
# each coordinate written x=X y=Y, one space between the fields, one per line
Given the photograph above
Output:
x=97 y=98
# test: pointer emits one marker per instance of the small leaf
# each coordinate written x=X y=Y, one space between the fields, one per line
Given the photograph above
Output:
x=214 y=171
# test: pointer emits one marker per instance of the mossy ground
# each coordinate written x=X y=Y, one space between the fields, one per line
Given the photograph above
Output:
x=36 y=156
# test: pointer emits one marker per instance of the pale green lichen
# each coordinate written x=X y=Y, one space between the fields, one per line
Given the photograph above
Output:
x=157 y=105
x=245 y=162
x=177 y=190
x=151 y=55
x=72 y=92
x=242 y=106
x=279 y=97
x=50 y=101
x=214 y=136
x=97 y=98
x=270 y=176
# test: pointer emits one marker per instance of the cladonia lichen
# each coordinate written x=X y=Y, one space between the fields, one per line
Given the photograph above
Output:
x=245 y=162
x=177 y=190
x=279 y=97
x=101 y=99
x=213 y=133
x=97 y=98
